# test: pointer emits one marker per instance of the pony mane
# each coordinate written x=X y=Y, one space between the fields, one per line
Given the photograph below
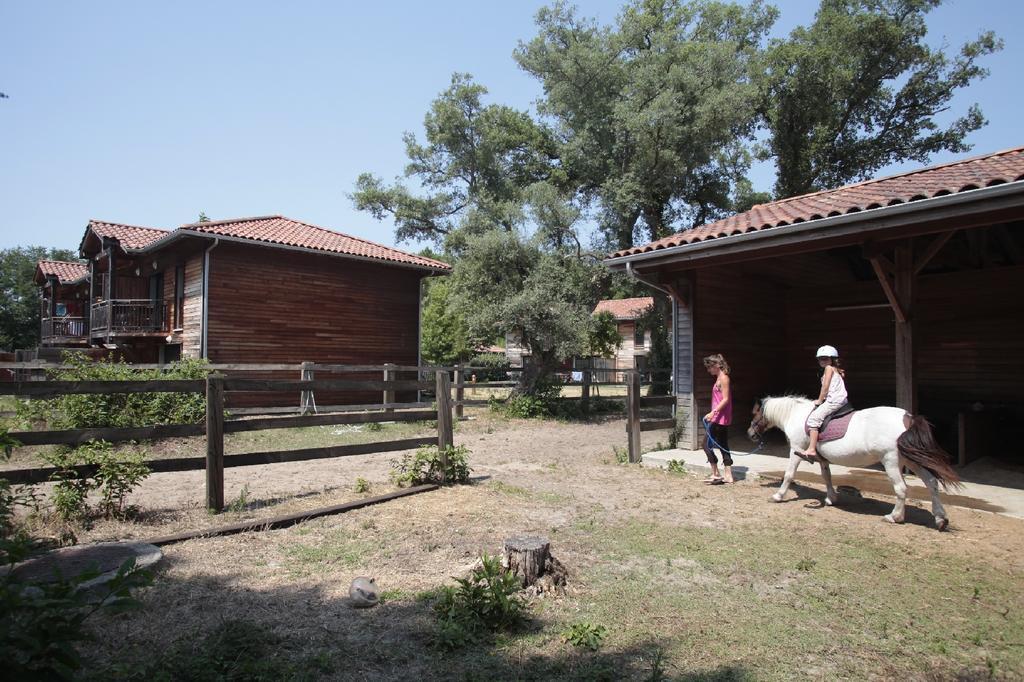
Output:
x=778 y=408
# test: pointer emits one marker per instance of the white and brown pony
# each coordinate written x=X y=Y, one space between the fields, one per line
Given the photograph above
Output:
x=878 y=434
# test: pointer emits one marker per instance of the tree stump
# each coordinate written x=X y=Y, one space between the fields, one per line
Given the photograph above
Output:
x=529 y=559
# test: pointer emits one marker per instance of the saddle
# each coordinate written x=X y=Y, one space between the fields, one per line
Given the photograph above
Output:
x=834 y=426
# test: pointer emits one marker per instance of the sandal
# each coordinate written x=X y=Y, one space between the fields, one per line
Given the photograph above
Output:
x=714 y=480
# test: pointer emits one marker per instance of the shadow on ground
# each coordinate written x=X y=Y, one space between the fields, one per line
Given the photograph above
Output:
x=209 y=628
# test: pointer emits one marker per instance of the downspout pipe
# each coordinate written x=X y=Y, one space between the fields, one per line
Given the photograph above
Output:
x=206 y=298
x=675 y=311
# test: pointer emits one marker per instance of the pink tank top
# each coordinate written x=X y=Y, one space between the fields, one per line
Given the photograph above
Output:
x=725 y=416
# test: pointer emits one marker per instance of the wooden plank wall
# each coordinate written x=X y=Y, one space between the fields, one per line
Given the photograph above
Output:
x=741 y=316
x=275 y=306
x=687 y=420
x=192 y=326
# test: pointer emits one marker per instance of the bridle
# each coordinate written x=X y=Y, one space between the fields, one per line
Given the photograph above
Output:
x=759 y=424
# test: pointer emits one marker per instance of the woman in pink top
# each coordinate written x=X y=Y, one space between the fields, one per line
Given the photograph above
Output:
x=718 y=419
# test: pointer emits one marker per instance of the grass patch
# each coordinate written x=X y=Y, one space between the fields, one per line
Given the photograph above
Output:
x=335 y=549
x=756 y=602
x=524 y=493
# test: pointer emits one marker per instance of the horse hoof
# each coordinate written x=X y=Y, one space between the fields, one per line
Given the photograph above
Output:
x=941 y=524
x=830 y=501
x=891 y=519
x=777 y=497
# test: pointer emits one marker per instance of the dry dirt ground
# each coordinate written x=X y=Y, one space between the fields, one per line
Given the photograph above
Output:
x=691 y=581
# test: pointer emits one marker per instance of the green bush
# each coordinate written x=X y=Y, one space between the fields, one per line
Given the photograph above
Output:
x=492 y=367
x=585 y=635
x=118 y=409
x=424 y=466
x=485 y=602
x=116 y=476
x=362 y=485
x=41 y=623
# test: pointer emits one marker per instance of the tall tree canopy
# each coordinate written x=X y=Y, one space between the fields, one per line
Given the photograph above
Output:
x=473 y=167
x=859 y=89
x=19 y=295
x=651 y=114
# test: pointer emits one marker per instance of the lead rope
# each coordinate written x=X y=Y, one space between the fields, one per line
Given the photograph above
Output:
x=716 y=444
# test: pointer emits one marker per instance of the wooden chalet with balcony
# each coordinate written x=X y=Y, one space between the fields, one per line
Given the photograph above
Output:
x=251 y=290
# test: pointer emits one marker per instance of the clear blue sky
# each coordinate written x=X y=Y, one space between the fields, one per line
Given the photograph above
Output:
x=148 y=113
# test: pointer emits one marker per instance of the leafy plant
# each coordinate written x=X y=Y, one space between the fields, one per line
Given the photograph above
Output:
x=118 y=409
x=362 y=485
x=40 y=623
x=805 y=564
x=585 y=635
x=115 y=476
x=674 y=466
x=621 y=454
x=424 y=466
x=241 y=502
x=485 y=602
x=374 y=426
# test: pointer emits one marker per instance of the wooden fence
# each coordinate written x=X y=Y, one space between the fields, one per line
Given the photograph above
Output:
x=215 y=386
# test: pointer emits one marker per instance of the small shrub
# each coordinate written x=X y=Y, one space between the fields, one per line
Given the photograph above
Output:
x=585 y=635
x=240 y=503
x=621 y=454
x=805 y=564
x=374 y=426
x=485 y=602
x=674 y=466
x=522 y=406
x=41 y=623
x=492 y=367
x=116 y=476
x=424 y=466
x=362 y=485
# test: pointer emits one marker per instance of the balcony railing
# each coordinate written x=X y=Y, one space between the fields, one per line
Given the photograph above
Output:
x=63 y=327
x=126 y=317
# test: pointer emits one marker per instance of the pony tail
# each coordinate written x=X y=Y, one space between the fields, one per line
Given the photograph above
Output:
x=918 y=445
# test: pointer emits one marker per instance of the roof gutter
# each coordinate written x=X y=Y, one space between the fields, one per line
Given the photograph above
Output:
x=203 y=346
x=833 y=226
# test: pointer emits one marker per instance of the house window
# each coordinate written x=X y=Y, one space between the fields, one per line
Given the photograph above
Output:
x=638 y=336
x=179 y=297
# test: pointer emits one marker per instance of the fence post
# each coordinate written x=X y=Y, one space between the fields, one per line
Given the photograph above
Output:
x=633 y=415
x=389 y=395
x=460 y=393
x=444 y=418
x=306 y=397
x=215 y=443
x=585 y=392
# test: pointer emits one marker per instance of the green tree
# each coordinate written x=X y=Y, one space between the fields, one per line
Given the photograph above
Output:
x=651 y=114
x=444 y=339
x=19 y=295
x=476 y=161
x=859 y=89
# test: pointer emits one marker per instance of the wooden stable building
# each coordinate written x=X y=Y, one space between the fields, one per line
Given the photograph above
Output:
x=916 y=278
x=251 y=290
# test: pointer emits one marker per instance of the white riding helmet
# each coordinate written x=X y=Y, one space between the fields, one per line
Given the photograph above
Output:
x=827 y=352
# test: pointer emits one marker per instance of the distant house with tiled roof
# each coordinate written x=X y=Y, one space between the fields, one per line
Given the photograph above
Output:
x=633 y=348
x=913 y=277
x=267 y=289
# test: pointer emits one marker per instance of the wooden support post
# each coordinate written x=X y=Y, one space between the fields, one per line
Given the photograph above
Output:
x=445 y=438
x=906 y=384
x=110 y=285
x=585 y=392
x=460 y=390
x=215 y=443
x=389 y=395
x=633 y=415
x=306 y=400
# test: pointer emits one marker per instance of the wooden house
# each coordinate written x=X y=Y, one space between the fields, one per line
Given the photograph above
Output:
x=250 y=290
x=634 y=340
x=914 y=277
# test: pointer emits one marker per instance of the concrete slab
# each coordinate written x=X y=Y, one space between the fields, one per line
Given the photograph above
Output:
x=998 y=499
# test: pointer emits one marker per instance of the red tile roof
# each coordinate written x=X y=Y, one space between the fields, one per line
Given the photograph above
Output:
x=624 y=308
x=64 y=271
x=287 y=232
x=925 y=183
x=129 y=236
